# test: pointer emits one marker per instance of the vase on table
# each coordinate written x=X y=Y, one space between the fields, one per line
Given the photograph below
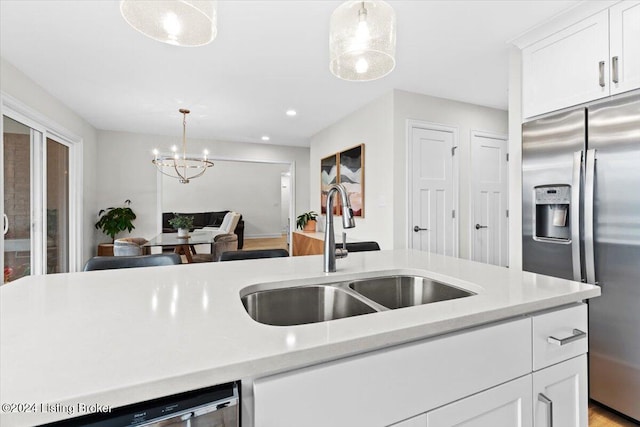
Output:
x=183 y=232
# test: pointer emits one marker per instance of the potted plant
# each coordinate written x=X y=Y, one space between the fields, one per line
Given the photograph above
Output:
x=114 y=220
x=307 y=222
x=183 y=223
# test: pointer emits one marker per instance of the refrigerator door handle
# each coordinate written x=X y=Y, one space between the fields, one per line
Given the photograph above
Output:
x=575 y=216
x=589 y=184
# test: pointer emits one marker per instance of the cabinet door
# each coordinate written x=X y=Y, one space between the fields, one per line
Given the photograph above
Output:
x=624 y=24
x=508 y=405
x=560 y=392
x=567 y=68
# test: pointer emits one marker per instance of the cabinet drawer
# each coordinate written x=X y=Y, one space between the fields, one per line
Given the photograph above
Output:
x=383 y=387
x=559 y=335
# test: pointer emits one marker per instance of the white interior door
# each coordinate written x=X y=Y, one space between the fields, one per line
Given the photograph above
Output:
x=433 y=196
x=490 y=190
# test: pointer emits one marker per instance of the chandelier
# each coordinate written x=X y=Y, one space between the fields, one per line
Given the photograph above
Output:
x=177 y=22
x=182 y=167
x=362 y=40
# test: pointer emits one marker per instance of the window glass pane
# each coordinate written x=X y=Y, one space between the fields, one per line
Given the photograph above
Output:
x=57 y=207
x=17 y=199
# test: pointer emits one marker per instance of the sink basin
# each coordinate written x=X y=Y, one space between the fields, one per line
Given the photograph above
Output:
x=300 y=305
x=405 y=291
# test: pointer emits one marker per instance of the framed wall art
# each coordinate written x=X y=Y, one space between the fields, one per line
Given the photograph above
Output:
x=351 y=175
x=328 y=176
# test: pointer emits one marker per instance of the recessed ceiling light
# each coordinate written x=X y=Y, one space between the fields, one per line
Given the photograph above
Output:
x=265 y=138
x=291 y=113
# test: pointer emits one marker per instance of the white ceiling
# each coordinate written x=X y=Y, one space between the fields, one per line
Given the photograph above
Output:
x=269 y=56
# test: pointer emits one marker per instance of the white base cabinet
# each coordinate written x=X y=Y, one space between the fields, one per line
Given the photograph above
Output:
x=508 y=405
x=480 y=377
x=559 y=394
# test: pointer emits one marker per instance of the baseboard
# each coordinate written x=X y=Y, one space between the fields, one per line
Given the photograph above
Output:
x=263 y=236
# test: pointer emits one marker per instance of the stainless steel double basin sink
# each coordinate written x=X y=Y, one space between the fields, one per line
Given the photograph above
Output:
x=300 y=305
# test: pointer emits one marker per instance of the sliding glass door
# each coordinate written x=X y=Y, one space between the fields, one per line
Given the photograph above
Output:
x=18 y=141
x=57 y=196
x=36 y=201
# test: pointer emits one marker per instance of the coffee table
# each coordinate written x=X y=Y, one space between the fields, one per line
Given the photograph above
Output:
x=183 y=246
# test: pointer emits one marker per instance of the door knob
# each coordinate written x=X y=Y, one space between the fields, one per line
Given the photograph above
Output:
x=416 y=229
x=478 y=226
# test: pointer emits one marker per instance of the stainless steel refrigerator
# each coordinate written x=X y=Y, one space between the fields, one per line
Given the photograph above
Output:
x=581 y=221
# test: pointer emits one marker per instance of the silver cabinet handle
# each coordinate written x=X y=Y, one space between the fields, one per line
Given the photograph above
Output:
x=614 y=69
x=6 y=223
x=577 y=335
x=478 y=226
x=416 y=229
x=544 y=399
x=601 y=73
x=575 y=215
x=589 y=183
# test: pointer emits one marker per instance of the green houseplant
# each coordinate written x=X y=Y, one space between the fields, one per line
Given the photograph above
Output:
x=183 y=223
x=114 y=220
x=307 y=221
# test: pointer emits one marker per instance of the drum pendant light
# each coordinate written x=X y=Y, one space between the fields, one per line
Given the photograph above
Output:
x=177 y=22
x=362 y=40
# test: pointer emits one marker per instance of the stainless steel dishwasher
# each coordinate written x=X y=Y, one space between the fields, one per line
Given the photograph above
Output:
x=217 y=406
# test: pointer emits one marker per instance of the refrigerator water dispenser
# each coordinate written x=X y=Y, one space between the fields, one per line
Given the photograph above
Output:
x=551 y=219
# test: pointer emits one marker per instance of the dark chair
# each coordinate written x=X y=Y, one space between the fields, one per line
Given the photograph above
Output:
x=360 y=246
x=255 y=254
x=108 y=262
x=221 y=243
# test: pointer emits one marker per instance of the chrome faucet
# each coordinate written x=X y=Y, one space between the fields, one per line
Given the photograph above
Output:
x=330 y=251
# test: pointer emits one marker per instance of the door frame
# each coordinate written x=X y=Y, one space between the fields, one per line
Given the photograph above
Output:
x=16 y=110
x=421 y=124
x=292 y=190
x=471 y=225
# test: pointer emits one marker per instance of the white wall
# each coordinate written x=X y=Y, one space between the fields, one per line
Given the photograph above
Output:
x=460 y=115
x=250 y=188
x=373 y=126
x=382 y=126
x=515 y=158
x=126 y=170
x=14 y=83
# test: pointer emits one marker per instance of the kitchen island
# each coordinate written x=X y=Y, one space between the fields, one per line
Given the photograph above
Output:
x=122 y=336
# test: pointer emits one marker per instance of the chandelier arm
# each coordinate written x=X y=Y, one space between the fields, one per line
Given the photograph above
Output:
x=199 y=174
x=165 y=173
x=182 y=177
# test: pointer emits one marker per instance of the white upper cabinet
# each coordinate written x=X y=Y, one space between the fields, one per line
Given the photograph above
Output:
x=567 y=68
x=594 y=58
x=624 y=21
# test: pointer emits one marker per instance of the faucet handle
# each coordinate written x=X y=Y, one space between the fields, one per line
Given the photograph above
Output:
x=342 y=252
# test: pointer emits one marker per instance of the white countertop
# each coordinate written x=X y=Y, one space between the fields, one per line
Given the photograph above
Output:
x=120 y=336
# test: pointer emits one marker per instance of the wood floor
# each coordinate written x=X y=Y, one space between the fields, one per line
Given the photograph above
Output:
x=266 y=243
x=600 y=417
